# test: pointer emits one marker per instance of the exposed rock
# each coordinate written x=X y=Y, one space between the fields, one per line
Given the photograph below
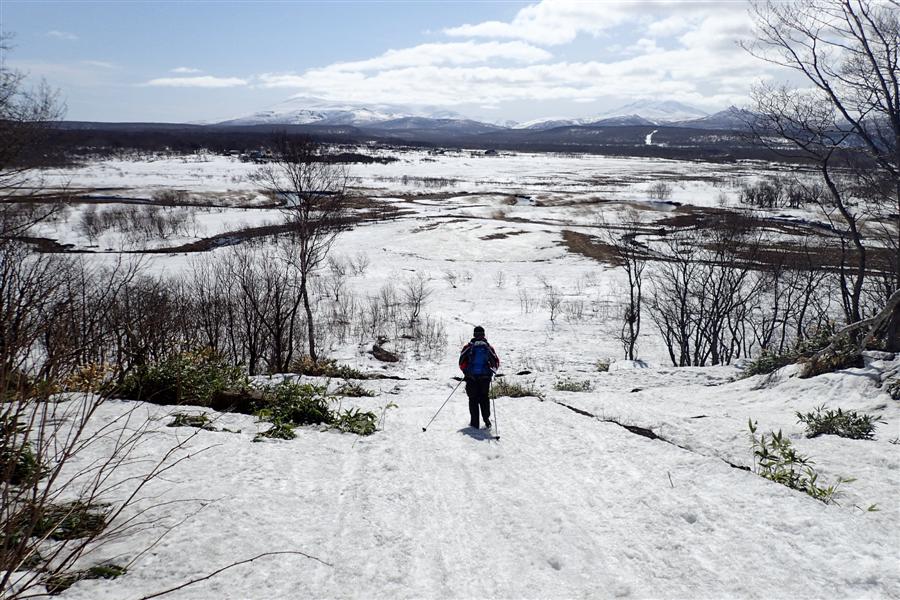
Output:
x=241 y=401
x=384 y=355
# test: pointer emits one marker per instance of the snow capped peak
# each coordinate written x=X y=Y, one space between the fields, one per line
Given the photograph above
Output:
x=660 y=111
x=547 y=123
x=307 y=110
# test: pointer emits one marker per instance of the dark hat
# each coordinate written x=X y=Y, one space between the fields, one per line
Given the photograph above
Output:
x=479 y=331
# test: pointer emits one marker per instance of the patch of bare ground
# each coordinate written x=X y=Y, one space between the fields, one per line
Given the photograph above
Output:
x=589 y=246
x=695 y=217
x=437 y=223
x=500 y=235
x=684 y=177
x=820 y=249
x=581 y=201
x=169 y=198
x=427 y=196
x=649 y=207
x=613 y=181
x=48 y=246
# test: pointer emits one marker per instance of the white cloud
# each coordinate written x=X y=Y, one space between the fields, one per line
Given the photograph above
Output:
x=644 y=46
x=455 y=53
x=62 y=35
x=718 y=32
x=701 y=64
x=681 y=75
x=102 y=64
x=185 y=70
x=550 y=22
x=205 y=81
x=670 y=25
x=65 y=74
x=554 y=22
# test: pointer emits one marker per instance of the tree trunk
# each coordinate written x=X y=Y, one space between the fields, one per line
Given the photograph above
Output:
x=310 y=326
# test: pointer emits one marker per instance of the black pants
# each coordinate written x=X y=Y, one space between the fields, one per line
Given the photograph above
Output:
x=478 y=390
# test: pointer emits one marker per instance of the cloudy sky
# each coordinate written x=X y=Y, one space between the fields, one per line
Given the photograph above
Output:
x=191 y=61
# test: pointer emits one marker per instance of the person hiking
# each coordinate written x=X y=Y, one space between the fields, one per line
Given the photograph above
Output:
x=479 y=362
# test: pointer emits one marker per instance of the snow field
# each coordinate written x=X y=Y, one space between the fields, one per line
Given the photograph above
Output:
x=564 y=506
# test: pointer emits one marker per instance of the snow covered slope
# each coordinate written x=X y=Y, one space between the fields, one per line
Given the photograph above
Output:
x=547 y=123
x=658 y=111
x=732 y=118
x=563 y=506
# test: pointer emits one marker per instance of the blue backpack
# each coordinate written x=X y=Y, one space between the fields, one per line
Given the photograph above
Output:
x=479 y=360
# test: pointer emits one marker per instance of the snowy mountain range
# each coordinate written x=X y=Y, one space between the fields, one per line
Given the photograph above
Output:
x=304 y=110
x=641 y=112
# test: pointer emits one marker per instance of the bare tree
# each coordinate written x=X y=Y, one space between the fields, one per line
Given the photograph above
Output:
x=631 y=256
x=705 y=292
x=25 y=116
x=314 y=192
x=847 y=119
x=552 y=301
x=416 y=293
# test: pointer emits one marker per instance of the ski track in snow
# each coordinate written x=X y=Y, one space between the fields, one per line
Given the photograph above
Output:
x=563 y=506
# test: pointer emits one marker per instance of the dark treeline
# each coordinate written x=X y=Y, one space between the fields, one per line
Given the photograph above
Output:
x=75 y=140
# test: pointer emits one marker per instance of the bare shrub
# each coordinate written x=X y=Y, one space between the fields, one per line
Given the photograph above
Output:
x=337 y=266
x=573 y=311
x=527 y=302
x=451 y=278
x=60 y=508
x=360 y=263
x=138 y=223
x=88 y=223
x=170 y=197
x=416 y=292
x=765 y=193
x=660 y=191
x=704 y=295
x=552 y=301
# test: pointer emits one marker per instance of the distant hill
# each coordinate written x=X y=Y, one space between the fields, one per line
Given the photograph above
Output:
x=304 y=110
x=732 y=118
x=657 y=111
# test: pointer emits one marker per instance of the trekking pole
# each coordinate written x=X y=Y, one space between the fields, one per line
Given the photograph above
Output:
x=443 y=405
x=495 y=422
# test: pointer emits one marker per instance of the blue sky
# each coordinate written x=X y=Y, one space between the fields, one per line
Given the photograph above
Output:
x=191 y=61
